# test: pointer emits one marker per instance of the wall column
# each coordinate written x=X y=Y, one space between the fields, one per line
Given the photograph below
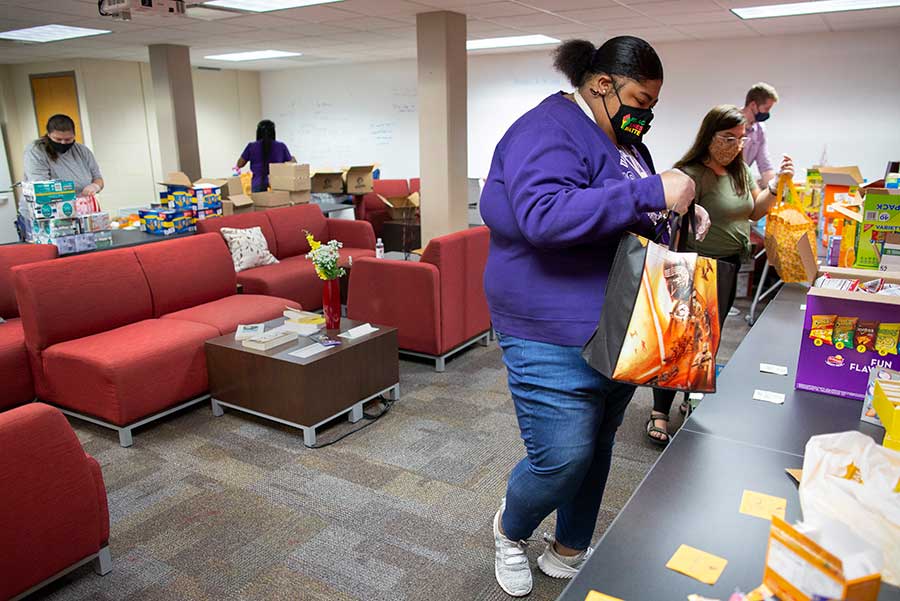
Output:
x=176 y=119
x=443 y=161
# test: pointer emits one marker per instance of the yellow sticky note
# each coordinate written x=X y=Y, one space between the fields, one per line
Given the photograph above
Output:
x=697 y=564
x=595 y=596
x=762 y=506
x=796 y=474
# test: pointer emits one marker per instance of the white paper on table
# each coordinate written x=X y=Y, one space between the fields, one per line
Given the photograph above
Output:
x=768 y=396
x=308 y=351
x=358 y=331
x=769 y=368
x=302 y=329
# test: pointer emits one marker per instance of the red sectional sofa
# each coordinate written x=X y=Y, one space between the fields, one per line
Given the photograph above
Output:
x=16 y=382
x=294 y=277
x=117 y=337
x=373 y=209
x=437 y=304
x=53 y=511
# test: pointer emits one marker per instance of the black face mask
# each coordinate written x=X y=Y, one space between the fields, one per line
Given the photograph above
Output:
x=760 y=117
x=61 y=148
x=630 y=122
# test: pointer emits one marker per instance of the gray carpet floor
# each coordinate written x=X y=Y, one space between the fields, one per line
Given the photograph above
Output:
x=205 y=508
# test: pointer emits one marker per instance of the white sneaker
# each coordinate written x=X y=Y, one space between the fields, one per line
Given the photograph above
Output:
x=510 y=562
x=559 y=566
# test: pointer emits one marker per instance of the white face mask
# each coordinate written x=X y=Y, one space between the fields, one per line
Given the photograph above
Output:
x=583 y=105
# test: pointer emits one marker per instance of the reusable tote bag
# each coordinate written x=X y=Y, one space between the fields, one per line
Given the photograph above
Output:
x=660 y=321
x=790 y=237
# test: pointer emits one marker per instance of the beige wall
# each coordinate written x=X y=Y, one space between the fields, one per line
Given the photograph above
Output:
x=116 y=103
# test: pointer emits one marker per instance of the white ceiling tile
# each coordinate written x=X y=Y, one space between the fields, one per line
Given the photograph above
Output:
x=384 y=8
x=559 y=5
x=369 y=23
x=317 y=29
x=535 y=20
x=712 y=31
x=599 y=15
x=675 y=7
x=718 y=16
x=884 y=17
x=316 y=14
x=499 y=9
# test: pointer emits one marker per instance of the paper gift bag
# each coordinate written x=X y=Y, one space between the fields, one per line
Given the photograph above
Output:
x=790 y=237
x=660 y=321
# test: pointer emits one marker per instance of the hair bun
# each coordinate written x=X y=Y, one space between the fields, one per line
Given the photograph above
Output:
x=573 y=58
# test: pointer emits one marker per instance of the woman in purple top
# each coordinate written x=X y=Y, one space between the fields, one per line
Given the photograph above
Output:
x=566 y=181
x=261 y=153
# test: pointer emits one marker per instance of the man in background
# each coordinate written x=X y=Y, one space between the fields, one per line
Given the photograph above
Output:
x=757 y=108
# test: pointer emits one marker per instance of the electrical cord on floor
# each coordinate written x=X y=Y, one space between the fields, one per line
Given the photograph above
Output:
x=370 y=418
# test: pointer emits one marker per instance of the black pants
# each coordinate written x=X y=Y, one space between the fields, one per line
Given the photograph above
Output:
x=662 y=398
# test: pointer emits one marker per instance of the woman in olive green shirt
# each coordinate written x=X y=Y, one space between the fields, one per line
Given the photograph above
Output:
x=726 y=189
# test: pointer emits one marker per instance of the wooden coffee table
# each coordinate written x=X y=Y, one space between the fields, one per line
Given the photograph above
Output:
x=304 y=393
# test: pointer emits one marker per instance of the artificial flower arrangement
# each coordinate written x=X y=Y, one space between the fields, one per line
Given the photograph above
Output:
x=325 y=258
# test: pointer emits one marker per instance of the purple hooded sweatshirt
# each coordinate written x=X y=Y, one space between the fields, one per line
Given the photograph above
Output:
x=557 y=200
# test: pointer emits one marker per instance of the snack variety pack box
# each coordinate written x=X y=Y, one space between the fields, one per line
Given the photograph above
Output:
x=846 y=335
x=48 y=191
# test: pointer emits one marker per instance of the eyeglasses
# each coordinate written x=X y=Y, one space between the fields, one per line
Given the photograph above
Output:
x=729 y=139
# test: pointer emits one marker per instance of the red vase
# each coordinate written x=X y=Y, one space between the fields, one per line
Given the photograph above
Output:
x=331 y=304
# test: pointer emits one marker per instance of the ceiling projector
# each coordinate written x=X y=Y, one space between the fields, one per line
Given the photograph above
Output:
x=125 y=9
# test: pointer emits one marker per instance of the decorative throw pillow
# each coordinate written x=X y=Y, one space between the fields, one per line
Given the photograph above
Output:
x=248 y=247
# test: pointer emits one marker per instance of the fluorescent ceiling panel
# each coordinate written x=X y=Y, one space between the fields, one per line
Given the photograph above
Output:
x=256 y=55
x=50 y=33
x=511 y=41
x=264 y=6
x=810 y=8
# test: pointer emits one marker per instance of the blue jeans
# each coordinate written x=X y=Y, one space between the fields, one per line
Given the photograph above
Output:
x=568 y=415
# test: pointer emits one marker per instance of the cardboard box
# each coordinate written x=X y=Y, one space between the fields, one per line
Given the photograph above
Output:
x=794 y=562
x=293 y=177
x=54 y=228
x=401 y=208
x=886 y=401
x=301 y=198
x=44 y=192
x=834 y=369
x=237 y=204
x=271 y=199
x=329 y=182
x=176 y=180
x=359 y=179
x=232 y=187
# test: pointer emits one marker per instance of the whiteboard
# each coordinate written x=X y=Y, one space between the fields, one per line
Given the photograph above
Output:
x=349 y=115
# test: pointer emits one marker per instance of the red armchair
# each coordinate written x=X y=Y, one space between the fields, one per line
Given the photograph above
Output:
x=53 y=511
x=437 y=304
x=373 y=209
x=16 y=382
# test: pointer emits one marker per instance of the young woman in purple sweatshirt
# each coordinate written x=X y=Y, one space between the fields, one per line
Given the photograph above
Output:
x=567 y=180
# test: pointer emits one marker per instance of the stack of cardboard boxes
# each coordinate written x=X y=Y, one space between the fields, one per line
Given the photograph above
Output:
x=51 y=213
x=290 y=185
x=182 y=205
x=355 y=180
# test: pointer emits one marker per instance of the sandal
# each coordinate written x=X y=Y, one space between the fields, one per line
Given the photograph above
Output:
x=651 y=429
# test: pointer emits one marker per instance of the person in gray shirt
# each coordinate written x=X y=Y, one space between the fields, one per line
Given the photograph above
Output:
x=56 y=155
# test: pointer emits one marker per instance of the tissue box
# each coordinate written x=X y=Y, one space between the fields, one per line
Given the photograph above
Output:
x=795 y=563
x=103 y=240
x=49 y=191
x=85 y=242
x=50 y=210
x=97 y=222
x=55 y=228
x=64 y=244
x=886 y=401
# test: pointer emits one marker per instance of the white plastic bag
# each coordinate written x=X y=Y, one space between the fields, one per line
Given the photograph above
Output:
x=849 y=478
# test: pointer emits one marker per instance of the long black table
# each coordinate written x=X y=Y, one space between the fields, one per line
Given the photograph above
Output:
x=731 y=443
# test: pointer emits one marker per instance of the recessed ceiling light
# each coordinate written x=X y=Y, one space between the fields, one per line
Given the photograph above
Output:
x=508 y=42
x=50 y=33
x=256 y=55
x=810 y=8
x=264 y=6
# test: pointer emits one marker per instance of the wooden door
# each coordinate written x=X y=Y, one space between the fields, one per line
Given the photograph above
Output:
x=56 y=93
